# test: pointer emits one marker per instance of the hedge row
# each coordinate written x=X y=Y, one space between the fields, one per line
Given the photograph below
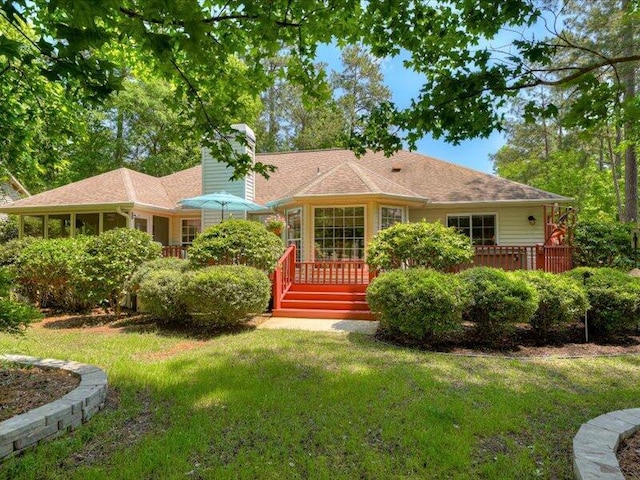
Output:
x=428 y=305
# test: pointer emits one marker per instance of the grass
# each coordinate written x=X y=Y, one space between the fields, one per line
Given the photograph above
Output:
x=285 y=404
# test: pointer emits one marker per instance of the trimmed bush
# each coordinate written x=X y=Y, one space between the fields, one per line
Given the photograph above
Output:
x=113 y=256
x=561 y=300
x=603 y=243
x=51 y=273
x=161 y=292
x=225 y=295
x=421 y=244
x=499 y=301
x=422 y=304
x=237 y=242
x=614 y=298
x=176 y=265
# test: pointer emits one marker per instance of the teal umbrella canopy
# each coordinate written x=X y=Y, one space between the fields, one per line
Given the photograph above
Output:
x=221 y=200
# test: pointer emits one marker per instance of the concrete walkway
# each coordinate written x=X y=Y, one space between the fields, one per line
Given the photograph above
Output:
x=320 y=325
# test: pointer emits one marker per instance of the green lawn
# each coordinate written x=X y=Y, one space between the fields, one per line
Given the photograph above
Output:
x=285 y=404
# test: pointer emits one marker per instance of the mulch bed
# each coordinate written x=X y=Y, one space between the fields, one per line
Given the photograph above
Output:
x=629 y=457
x=525 y=343
x=26 y=388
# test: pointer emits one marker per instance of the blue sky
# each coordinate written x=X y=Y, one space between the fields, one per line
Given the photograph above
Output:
x=404 y=85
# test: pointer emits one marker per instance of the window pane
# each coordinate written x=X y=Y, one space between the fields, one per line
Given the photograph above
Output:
x=190 y=229
x=336 y=234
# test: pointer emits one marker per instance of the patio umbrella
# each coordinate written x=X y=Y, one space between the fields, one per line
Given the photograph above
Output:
x=213 y=201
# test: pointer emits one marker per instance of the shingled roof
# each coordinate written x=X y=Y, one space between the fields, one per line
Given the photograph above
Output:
x=304 y=174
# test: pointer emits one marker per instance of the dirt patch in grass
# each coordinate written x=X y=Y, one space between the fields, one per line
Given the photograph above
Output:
x=629 y=457
x=25 y=388
x=525 y=343
x=121 y=436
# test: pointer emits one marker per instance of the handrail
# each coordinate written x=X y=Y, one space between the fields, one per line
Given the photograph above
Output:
x=284 y=275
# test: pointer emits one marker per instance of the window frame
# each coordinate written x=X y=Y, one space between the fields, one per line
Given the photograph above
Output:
x=478 y=214
x=313 y=226
x=182 y=230
x=400 y=207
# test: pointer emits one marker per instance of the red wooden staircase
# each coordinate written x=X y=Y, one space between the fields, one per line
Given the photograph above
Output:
x=333 y=290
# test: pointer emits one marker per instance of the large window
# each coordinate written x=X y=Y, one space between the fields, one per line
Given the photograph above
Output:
x=87 y=223
x=113 y=220
x=389 y=216
x=34 y=226
x=480 y=228
x=339 y=233
x=190 y=229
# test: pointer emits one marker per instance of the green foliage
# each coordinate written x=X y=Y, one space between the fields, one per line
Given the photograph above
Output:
x=225 y=295
x=9 y=229
x=176 y=265
x=499 y=300
x=614 y=298
x=237 y=242
x=52 y=273
x=419 y=303
x=112 y=257
x=161 y=294
x=604 y=243
x=561 y=300
x=14 y=316
x=10 y=251
x=419 y=244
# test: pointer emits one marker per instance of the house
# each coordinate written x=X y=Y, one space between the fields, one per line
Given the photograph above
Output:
x=10 y=191
x=333 y=204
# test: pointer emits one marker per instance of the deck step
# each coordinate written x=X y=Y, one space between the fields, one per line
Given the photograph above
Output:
x=339 y=296
x=325 y=304
x=318 y=313
x=315 y=287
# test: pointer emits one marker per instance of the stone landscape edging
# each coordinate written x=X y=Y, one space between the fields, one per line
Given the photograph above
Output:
x=596 y=443
x=58 y=417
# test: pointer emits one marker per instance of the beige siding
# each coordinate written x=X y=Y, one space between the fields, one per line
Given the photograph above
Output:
x=513 y=224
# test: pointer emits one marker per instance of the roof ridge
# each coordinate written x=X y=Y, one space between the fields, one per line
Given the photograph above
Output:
x=376 y=174
x=312 y=181
x=362 y=176
x=128 y=184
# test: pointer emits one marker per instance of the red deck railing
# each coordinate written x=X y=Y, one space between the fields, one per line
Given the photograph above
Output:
x=339 y=272
x=284 y=275
x=177 y=251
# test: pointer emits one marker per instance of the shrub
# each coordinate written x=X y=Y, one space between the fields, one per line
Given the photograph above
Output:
x=51 y=273
x=561 y=300
x=423 y=304
x=237 y=242
x=161 y=292
x=9 y=229
x=176 y=265
x=10 y=251
x=604 y=243
x=14 y=316
x=614 y=298
x=225 y=295
x=421 y=244
x=113 y=256
x=499 y=301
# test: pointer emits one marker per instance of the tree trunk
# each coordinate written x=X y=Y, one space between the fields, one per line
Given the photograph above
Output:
x=614 y=159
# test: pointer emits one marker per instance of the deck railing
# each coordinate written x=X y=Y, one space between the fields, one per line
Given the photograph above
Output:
x=339 y=272
x=177 y=251
x=555 y=258
x=284 y=275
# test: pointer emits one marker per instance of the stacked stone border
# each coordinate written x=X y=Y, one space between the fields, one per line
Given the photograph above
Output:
x=596 y=443
x=56 y=418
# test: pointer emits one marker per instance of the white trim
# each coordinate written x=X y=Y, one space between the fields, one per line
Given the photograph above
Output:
x=476 y=214
x=300 y=254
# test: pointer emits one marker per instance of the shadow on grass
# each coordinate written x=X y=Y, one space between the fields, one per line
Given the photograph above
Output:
x=143 y=323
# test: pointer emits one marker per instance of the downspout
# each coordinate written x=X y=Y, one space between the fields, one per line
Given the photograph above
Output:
x=126 y=215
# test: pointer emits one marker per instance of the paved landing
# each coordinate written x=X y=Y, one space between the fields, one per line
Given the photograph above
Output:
x=321 y=325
